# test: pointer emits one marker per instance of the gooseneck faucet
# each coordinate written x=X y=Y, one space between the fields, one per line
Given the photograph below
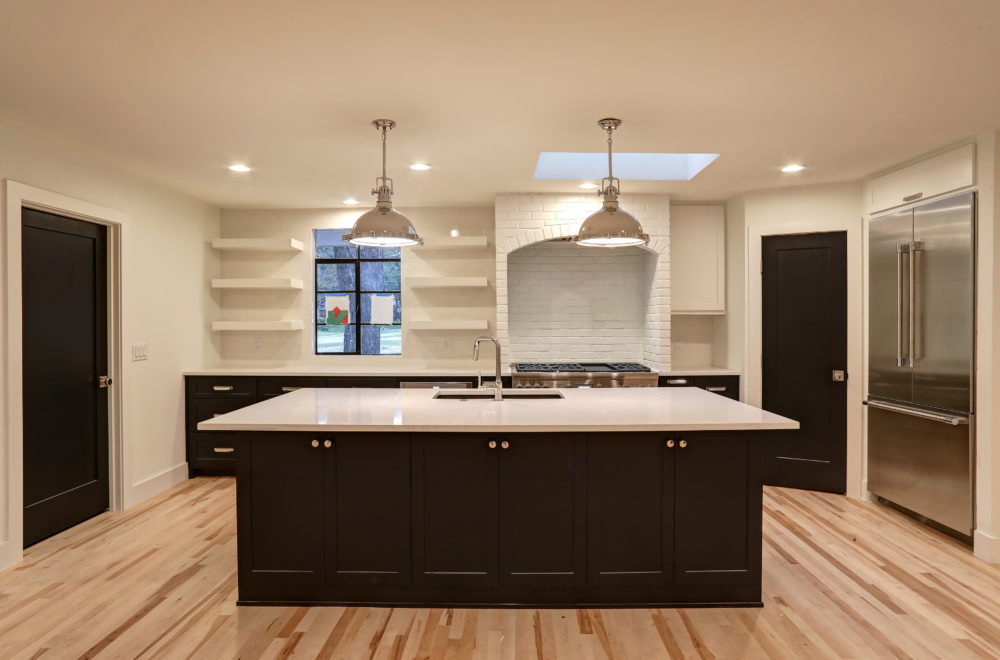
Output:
x=498 y=390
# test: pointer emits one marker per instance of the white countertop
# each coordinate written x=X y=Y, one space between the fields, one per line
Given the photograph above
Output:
x=383 y=409
x=407 y=372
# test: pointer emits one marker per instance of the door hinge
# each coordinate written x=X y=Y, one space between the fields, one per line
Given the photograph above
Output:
x=104 y=382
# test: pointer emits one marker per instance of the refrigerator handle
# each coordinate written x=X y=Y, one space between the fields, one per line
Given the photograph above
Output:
x=914 y=248
x=900 y=249
x=953 y=420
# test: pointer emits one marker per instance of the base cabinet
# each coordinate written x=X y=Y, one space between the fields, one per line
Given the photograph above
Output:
x=479 y=519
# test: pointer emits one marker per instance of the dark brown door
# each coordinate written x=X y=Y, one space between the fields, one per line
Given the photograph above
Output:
x=712 y=483
x=804 y=349
x=64 y=329
x=542 y=509
x=367 y=536
x=455 y=509
x=630 y=508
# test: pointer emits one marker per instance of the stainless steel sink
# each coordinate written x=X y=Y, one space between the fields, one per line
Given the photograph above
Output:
x=479 y=395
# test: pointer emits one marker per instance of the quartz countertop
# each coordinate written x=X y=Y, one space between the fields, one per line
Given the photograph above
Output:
x=409 y=372
x=594 y=410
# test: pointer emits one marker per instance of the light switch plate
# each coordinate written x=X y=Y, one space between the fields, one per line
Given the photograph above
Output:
x=140 y=352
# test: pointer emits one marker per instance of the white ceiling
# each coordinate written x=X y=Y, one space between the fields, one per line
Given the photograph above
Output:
x=176 y=90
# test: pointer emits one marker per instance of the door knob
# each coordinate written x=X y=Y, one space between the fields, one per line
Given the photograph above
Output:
x=315 y=443
x=505 y=444
x=493 y=444
x=683 y=444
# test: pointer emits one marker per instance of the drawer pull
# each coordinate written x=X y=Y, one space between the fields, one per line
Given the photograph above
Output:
x=683 y=444
x=720 y=388
x=222 y=388
x=288 y=388
x=913 y=197
x=677 y=381
x=223 y=450
x=670 y=444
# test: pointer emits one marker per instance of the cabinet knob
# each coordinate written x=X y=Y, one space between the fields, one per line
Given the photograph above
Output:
x=670 y=443
x=315 y=443
x=328 y=443
x=683 y=444
x=505 y=444
x=493 y=444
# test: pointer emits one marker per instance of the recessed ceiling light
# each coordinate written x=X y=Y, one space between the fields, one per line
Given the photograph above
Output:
x=420 y=167
x=793 y=168
x=352 y=202
x=589 y=186
x=239 y=167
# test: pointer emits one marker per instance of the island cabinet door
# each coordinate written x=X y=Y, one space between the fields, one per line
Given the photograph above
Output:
x=367 y=512
x=543 y=509
x=629 y=509
x=717 y=509
x=455 y=509
x=281 y=531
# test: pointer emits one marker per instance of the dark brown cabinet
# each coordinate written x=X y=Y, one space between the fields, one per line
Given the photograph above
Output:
x=325 y=509
x=269 y=387
x=717 y=509
x=727 y=386
x=630 y=505
x=501 y=509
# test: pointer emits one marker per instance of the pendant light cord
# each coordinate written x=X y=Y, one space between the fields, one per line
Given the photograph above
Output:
x=385 y=129
x=610 y=173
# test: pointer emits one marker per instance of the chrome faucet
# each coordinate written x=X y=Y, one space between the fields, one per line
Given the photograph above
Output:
x=498 y=395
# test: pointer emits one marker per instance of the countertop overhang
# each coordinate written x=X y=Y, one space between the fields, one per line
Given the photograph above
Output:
x=416 y=410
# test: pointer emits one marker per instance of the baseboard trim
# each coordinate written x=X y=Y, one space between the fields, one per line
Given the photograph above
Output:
x=10 y=554
x=156 y=484
x=986 y=547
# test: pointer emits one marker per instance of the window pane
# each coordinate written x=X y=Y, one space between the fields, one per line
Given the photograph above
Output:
x=380 y=253
x=335 y=339
x=323 y=314
x=366 y=307
x=380 y=276
x=335 y=277
x=381 y=340
x=329 y=245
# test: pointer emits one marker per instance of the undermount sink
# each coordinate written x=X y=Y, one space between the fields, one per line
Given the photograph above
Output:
x=488 y=395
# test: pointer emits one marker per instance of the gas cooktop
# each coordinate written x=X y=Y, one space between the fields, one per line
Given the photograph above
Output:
x=580 y=367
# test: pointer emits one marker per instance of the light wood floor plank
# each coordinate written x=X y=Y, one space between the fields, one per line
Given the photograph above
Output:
x=842 y=579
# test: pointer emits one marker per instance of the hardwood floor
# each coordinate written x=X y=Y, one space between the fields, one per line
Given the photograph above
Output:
x=842 y=579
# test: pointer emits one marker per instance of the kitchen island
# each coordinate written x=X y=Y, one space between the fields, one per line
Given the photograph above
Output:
x=403 y=497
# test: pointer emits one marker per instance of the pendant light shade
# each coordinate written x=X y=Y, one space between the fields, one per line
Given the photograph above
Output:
x=383 y=226
x=611 y=227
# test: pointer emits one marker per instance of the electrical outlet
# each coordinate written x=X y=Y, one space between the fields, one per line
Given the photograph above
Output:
x=140 y=352
x=258 y=342
x=447 y=342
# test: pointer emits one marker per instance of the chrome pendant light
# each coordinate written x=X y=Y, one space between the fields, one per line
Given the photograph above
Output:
x=383 y=226
x=611 y=226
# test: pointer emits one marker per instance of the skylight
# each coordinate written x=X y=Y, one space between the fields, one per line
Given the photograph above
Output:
x=634 y=166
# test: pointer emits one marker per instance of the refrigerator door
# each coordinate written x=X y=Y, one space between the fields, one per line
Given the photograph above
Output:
x=943 y=330
x=888 y=264
x=923 y=464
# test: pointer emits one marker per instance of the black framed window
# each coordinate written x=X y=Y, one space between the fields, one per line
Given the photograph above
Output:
x=358 y=306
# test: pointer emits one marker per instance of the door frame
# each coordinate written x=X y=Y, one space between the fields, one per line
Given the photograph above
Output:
x=19 y=195
x=857 y=374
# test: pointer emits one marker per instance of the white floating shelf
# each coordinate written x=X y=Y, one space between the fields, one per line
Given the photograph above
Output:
x=451 y=243
x=257 y=326
x=258 y=244
x=445 y=325
x=446 y=282
x=257 y=283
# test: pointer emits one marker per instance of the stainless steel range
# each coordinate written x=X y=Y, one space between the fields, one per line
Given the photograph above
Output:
x=582 y=374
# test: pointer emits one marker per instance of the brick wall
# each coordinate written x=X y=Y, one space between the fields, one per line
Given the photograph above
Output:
x=559 y=301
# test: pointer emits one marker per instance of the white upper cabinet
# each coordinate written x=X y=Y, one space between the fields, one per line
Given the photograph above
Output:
x=934 y=176
x=698 y=259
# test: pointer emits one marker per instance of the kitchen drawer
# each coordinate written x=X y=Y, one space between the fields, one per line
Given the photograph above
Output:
x=201 y=409
x=212 y=453
x=727 y=386
x=272 y=386
x=242 y=387
x=363 y=381
x=677 y=381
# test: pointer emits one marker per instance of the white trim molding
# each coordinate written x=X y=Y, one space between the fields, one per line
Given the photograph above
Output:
x=156 y=484
x=18 y=196
x=753 y=386
x=986 y=547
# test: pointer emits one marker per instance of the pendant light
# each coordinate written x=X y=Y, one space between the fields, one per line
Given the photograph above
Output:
x=611 y=226
x=383 y=226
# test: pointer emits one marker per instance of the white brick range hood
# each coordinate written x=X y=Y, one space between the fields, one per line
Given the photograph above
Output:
x=557 y=301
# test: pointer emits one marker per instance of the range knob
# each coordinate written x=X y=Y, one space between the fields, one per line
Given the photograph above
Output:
x=539 y=385
x=518 y=386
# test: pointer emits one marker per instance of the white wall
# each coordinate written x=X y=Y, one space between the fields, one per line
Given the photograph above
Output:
x=166 y=263
x=420 y=349
x=570 y=303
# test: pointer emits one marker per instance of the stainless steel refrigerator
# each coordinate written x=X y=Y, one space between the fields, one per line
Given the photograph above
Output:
x=921 y=361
